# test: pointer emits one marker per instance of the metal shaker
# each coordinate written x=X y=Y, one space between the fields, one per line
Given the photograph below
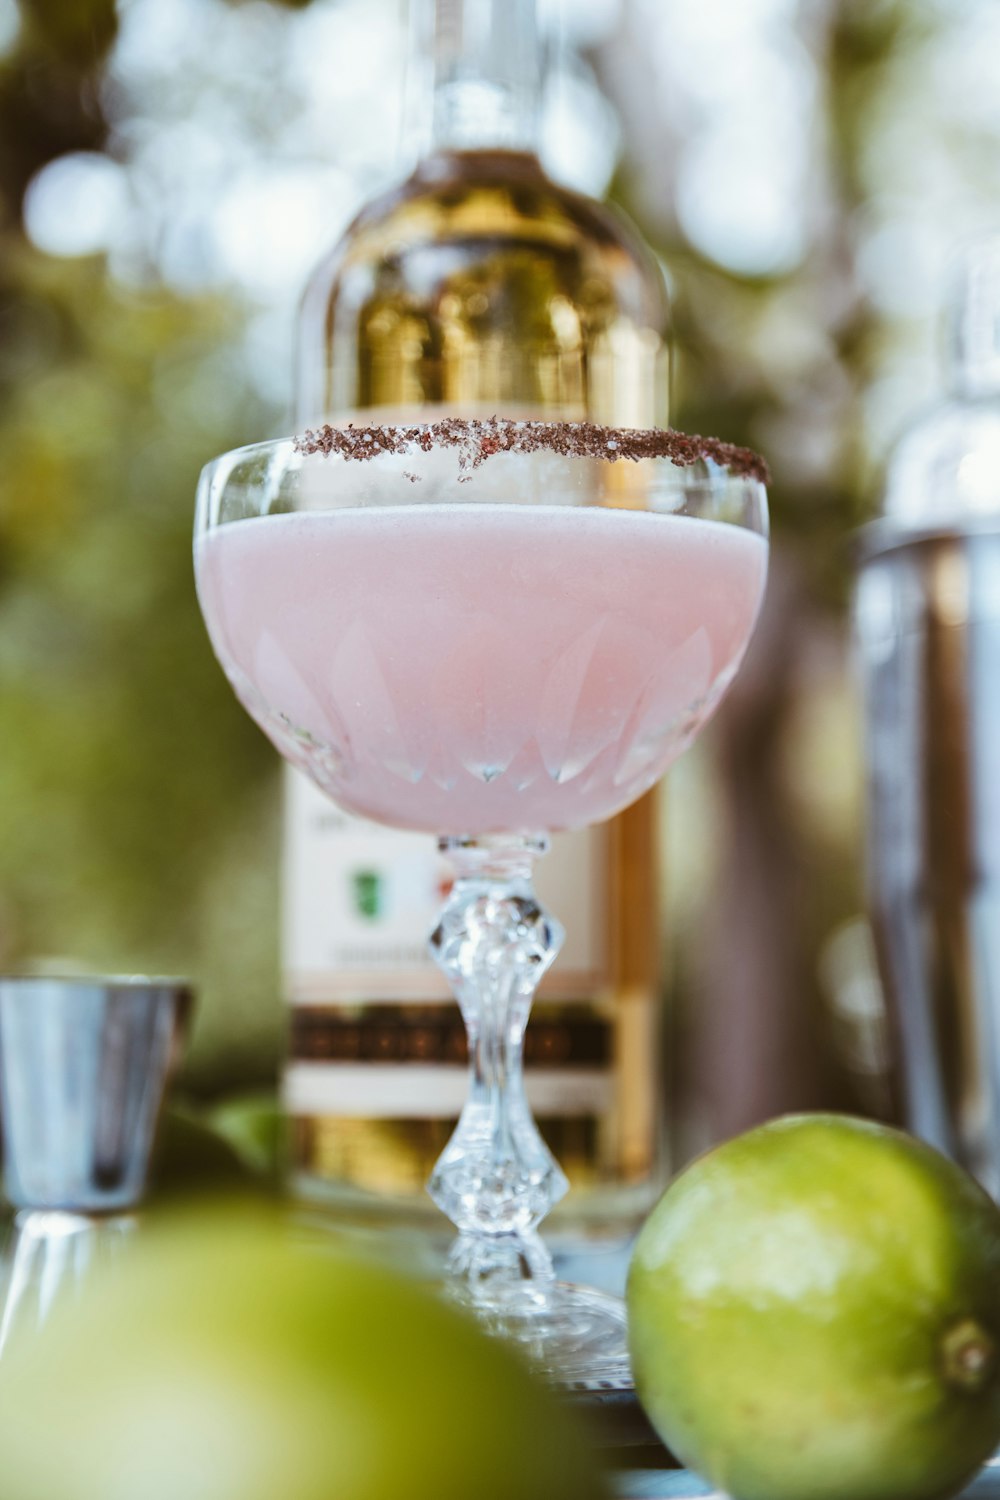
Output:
x=927 y=627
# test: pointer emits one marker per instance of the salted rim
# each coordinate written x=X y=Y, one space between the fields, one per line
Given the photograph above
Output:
x=479 y=438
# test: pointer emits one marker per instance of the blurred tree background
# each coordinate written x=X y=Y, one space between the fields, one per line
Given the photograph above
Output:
x=169 y=171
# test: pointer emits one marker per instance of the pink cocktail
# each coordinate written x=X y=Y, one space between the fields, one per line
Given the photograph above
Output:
x=488 y=631
x=471 y=669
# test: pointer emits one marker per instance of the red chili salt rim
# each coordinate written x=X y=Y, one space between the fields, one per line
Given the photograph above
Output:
x=480 y=438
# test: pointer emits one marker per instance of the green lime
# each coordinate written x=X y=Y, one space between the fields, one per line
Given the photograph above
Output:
x=254 y=1125
x=193 y=1157
x=224 y=1363
x=814 y=1314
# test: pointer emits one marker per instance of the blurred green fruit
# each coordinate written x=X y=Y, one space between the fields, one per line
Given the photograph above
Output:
x=814 y=1314
x=254 y=1125
x=224 y=1363
x=193 y=1157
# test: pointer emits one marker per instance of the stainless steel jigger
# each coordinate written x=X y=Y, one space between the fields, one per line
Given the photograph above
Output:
x=84 y=1065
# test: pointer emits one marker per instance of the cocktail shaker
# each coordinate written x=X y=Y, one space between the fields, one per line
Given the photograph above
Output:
x=927 y=626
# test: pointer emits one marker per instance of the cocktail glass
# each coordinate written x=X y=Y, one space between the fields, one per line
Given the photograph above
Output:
x=489 y=631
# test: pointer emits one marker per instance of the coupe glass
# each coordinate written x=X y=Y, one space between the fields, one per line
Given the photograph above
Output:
x=490 y=632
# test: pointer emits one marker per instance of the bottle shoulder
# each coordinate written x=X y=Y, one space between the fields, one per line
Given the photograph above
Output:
x=945 y=464
x=463 y=207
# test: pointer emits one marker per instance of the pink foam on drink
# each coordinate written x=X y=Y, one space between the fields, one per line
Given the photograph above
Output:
x=481 y=668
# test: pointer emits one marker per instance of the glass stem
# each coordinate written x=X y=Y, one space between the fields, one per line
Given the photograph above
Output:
x=496 y=1179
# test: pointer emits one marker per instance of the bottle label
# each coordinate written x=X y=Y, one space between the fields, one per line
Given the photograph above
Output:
x=360 y=901
x=408 y=1061
x=421 y=1091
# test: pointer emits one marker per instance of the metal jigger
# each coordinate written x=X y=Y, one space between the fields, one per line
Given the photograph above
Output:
x=927 y=610
x=84 y=1066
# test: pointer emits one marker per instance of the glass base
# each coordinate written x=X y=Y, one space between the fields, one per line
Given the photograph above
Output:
x=573 y=1336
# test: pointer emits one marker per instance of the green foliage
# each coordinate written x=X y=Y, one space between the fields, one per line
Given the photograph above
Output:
x=81 y=34
x=49 y=95
x=137 y=812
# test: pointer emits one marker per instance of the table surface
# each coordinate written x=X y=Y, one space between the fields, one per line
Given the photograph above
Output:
x=678 y=1484
x=644 y=1470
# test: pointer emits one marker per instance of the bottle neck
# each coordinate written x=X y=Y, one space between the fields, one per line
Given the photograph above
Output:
x=476 y=67
x=972 y=360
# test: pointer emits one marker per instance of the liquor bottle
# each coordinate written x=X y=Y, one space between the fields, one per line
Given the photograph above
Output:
x=477 y=286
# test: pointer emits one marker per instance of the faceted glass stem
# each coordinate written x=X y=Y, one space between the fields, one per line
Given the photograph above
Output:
x=496 y=1179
